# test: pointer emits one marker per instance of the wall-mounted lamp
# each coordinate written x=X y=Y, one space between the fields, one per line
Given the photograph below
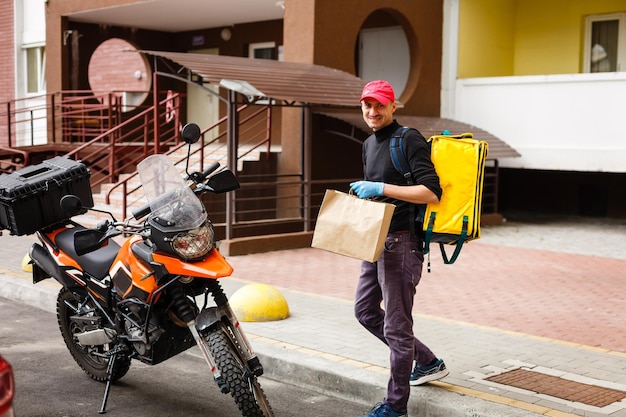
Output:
x=226 y=34
x=66 y=36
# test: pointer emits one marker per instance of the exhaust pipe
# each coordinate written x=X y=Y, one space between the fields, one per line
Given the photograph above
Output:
x=42 y=259
x=44 y=266
x=96 y=337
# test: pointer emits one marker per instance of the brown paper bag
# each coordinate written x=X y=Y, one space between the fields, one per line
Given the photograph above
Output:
x=351 y=226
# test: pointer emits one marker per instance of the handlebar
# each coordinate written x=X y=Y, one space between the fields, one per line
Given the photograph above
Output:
x=210 y=169
x=142 y=211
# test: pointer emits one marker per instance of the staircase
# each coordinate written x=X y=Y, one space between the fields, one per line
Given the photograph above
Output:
x=80 y=125
x=215 y=152
x=266 y=204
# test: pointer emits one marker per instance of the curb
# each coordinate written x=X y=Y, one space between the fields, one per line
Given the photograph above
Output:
x=18 y=287
x=353 y=383
x=317 y=371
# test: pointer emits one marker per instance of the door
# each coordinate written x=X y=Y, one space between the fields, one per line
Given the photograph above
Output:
x=203 y=107
x=384 y=54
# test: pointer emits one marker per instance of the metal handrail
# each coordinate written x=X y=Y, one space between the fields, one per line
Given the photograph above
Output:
x=116 y=141
x=126 y=191
x=15 y=165
x=105 y=153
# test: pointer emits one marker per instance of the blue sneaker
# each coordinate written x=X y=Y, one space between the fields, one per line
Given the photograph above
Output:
x=424 y=374
x=383 y=410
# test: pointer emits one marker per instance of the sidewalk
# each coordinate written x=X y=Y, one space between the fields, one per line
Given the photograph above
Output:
x=539 y=306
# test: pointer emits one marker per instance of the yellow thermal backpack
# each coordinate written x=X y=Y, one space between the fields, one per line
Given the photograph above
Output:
x=459 y=161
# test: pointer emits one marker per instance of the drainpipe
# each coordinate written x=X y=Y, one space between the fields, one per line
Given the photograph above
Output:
x=307 y=150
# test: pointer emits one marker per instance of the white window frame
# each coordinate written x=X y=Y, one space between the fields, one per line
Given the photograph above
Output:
x=621 y=41
x=261 y=45
x=265 y=45
x=40 y=69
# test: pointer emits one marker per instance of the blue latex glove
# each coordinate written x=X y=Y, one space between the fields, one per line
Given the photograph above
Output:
x=367 y=189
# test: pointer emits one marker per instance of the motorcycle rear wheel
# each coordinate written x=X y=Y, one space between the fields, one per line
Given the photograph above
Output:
x=243 y=385
x=86 y=356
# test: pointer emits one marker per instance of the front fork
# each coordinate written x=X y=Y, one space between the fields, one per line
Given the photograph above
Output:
x=210 y=317
x=208 y=357
x=214 y=315
x=241 y=339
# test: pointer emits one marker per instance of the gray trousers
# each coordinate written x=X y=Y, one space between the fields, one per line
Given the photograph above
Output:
x=393 y=280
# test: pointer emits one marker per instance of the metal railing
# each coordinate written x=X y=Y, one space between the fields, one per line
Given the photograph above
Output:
x=91 y=127
x=265 y=199
x=61 y=117
x=13 y=159
x=255 y=129
x=24 y=121
x=120 y=148
x=83 y=116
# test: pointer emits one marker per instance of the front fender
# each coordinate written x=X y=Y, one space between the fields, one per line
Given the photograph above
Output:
x=206 y=319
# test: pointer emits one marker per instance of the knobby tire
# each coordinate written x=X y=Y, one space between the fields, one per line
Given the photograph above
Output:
x=243 y=385
x=93 y=365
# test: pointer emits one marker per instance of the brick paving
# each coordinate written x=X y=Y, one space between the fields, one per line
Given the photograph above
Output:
x=568 y=297
x=543 y=297
x=561 y=284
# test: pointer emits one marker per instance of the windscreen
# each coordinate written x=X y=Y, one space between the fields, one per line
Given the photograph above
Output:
x=170 y=198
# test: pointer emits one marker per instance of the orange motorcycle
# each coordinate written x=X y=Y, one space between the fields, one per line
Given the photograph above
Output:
x=142 y=288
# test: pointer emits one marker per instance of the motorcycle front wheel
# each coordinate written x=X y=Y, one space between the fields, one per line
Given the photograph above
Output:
x=90 y=358
x=242 y=384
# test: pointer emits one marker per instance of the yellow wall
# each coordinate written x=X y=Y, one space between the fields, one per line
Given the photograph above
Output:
x=486 y=38
x=525 y=37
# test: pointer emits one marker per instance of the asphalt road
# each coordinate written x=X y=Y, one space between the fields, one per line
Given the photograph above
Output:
x=50 y=383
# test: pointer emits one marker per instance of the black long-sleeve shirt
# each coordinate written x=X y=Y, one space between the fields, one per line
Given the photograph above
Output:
x=377 y=166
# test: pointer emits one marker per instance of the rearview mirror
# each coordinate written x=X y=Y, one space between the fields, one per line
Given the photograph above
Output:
x=71 y=204
x=191 y=133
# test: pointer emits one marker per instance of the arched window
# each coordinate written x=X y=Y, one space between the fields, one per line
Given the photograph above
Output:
x=383 y=51
x=115 y=67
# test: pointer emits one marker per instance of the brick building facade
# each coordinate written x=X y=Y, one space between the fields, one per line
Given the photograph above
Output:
x=7 y=63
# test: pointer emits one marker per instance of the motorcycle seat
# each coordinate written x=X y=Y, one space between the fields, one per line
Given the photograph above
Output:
x=96 y=263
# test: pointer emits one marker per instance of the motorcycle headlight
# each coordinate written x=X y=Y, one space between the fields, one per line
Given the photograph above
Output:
x=195 y=243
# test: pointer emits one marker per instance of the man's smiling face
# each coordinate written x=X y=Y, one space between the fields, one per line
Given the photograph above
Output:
x=377 y=115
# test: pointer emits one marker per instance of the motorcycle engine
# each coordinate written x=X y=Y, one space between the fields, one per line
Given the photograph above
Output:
x=143 y=345
x=133 y=323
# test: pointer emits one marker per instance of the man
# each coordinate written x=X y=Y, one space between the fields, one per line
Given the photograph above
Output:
x=394 y=277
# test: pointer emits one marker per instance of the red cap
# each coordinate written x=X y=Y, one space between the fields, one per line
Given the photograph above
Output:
x=379 y=90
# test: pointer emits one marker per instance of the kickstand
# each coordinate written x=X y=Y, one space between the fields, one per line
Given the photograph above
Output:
x=109 y=379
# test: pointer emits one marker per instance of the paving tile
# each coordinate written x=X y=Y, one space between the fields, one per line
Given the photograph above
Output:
x=550 y=295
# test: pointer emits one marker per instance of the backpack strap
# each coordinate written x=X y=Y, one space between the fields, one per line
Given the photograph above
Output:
x=401 y=163
x=459 y=245
x=398 y=157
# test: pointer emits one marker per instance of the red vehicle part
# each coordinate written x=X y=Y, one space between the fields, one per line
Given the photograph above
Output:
x=7 y=388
